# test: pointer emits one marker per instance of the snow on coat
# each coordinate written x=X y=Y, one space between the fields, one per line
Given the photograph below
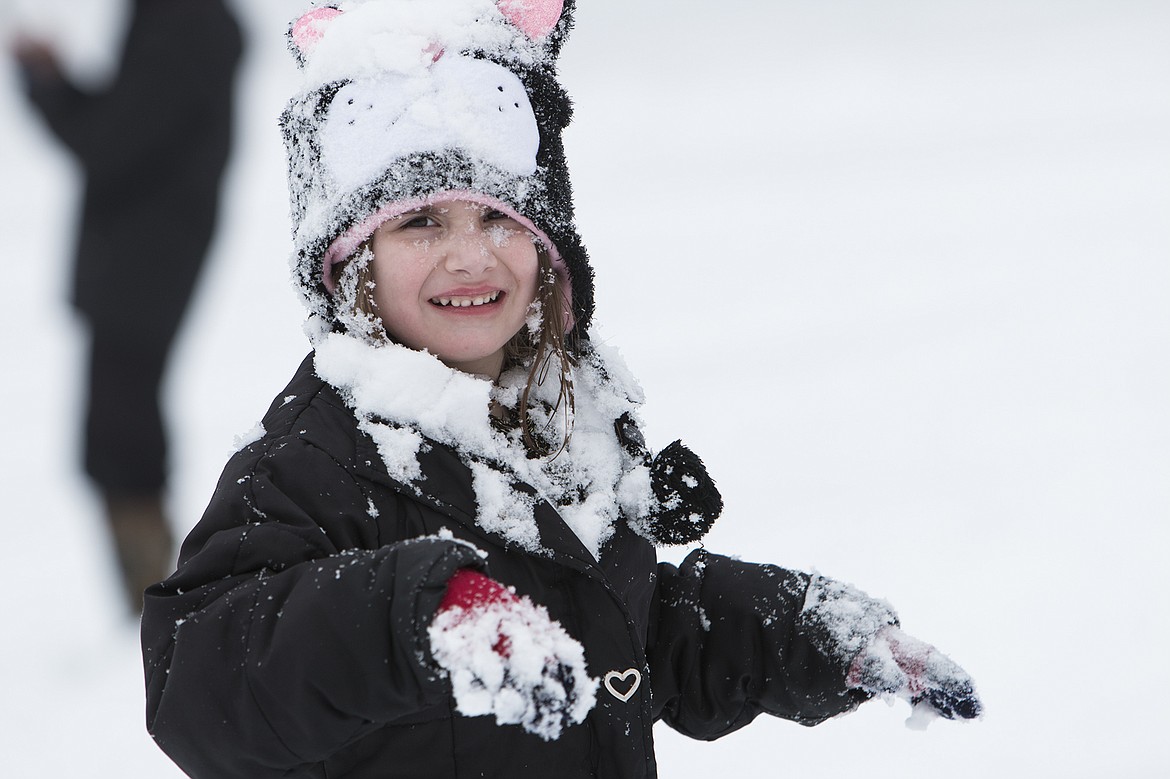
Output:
x=292 y=640
x=592 y=482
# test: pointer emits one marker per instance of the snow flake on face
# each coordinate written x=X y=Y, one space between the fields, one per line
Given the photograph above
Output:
x=405 y=398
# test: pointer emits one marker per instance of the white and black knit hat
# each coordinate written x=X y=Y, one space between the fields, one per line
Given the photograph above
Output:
x=406 y=102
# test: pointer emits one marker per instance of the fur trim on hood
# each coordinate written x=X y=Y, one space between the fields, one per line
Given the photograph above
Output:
x=406 y=399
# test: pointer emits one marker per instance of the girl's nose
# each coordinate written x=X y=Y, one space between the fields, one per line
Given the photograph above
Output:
x=469 y=251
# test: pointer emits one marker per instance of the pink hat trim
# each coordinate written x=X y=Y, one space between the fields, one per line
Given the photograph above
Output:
x=348 y=242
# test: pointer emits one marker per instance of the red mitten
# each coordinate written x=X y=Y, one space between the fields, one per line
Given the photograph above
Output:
x=505 y=656
x=900 y=665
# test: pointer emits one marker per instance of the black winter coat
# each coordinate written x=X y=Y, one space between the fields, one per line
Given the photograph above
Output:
x=292 y=639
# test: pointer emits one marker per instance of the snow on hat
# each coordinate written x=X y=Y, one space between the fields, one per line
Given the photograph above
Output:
x=406 y=102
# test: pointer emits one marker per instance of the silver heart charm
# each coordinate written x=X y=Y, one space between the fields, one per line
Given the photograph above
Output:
x=621 y=677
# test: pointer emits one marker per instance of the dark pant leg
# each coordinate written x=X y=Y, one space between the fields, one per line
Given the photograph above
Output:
x=133 y=294
x=125 y=437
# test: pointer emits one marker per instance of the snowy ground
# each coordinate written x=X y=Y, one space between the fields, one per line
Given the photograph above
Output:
x=899 y=271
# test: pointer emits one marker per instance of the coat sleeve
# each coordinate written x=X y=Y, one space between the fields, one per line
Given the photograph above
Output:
x=730 y=640
x=288 y=631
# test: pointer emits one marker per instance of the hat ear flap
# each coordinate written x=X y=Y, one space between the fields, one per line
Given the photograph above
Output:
x=535 y=18
x=306 y=32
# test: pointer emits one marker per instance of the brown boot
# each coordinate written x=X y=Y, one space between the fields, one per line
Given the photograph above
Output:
x=143 y=542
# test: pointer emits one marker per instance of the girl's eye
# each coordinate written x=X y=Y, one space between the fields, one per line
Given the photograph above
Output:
x=495 y=216
x=420 y=220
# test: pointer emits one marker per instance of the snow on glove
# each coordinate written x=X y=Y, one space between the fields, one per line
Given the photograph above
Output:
x=505 y=656
x=897 y=664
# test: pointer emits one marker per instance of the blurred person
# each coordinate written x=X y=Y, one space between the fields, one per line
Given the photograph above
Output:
x=152 y=145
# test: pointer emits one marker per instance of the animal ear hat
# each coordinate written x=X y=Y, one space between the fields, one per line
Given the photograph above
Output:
x=406 y=102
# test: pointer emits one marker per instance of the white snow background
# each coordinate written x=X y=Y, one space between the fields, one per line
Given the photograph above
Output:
x=898 y=271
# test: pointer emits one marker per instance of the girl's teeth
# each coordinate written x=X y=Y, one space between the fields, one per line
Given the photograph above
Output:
x=465 y=302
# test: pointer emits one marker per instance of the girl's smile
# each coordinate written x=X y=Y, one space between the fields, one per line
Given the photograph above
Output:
x=467 y=300
x=455 y=278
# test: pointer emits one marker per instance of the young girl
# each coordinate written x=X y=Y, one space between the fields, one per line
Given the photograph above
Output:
x=436 y=559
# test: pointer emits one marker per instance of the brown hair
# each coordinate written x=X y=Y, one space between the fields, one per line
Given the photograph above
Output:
x=549 y=341
x=536 y=347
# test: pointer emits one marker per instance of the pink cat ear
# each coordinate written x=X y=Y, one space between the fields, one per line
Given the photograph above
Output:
x=535 y=18
x=307 y=31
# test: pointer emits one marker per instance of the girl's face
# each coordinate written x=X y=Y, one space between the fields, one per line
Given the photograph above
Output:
x=455 y=278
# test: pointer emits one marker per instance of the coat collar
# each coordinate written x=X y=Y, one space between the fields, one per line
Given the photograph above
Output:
x=432 y=436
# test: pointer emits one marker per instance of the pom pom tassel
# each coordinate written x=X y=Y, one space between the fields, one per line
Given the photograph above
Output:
x=688 y=501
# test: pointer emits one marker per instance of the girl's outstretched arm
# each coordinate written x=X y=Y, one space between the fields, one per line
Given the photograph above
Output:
x=733 y=639
x=727 y=643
